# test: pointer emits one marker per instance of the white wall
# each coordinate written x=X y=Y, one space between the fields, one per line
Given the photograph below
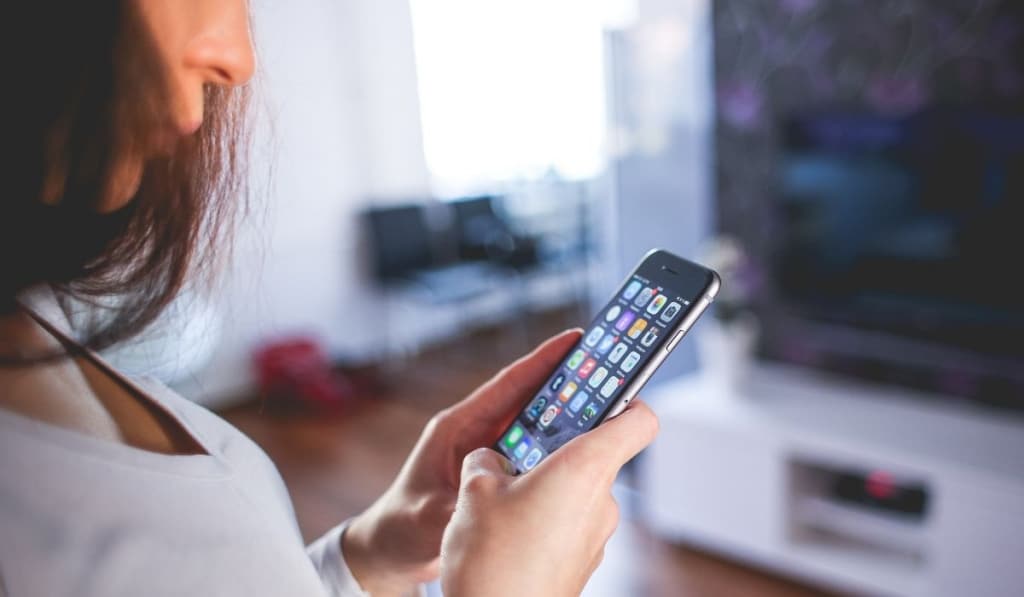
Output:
x=338 y=84
x=385 y=66
x=663 y=122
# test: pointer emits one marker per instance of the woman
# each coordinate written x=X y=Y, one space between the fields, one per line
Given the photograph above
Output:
x=125 y=153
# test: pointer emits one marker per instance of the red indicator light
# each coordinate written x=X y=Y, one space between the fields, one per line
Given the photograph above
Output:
x=880 y=485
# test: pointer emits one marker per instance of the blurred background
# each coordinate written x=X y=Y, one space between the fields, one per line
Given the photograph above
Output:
x=442 y=184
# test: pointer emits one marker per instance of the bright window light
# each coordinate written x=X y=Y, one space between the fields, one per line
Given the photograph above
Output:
x=512 y=89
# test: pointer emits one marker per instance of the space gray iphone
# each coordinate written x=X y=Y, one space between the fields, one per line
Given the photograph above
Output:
x=627 y=341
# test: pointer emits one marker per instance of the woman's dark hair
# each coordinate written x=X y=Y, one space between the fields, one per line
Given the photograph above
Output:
x=84 y=88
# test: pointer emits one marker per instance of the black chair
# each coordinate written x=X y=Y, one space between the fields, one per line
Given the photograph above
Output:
x=484 y=235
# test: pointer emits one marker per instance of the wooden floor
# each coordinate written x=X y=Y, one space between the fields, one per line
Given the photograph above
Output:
x=336 y=466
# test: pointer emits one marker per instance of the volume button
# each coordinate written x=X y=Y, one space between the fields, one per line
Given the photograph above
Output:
x=675 y=340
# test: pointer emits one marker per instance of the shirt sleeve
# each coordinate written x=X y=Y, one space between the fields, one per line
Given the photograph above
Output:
x=330 y=564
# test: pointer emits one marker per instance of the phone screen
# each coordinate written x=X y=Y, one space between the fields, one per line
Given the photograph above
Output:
x=639 y=320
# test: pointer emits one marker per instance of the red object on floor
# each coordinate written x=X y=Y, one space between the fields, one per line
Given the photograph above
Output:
x=296 y=372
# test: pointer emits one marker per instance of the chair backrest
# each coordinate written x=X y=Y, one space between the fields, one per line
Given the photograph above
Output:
x=400 y=241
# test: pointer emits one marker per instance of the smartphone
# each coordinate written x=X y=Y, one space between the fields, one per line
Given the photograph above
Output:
x=624 y=345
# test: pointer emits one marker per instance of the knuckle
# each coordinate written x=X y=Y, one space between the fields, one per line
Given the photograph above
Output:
x=441 y=422
x=614 y=513
x=611 y=521
x=647 y=424
x=504 y=371
x=477 y=478
x=508 y=377
x=479 y=483
x=653 y=427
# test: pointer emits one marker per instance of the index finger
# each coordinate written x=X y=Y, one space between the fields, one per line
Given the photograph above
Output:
x=500 y=397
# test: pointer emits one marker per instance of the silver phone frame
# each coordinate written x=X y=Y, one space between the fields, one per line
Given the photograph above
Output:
x=675 y=336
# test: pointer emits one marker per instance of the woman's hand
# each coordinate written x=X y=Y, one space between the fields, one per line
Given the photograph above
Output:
x=542 y=533
x=394 y=545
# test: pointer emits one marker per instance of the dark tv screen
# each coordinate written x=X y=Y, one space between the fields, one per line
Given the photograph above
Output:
x=900 y=246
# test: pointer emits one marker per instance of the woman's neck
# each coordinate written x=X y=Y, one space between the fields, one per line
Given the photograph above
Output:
x=74 y=393
x=53 y=391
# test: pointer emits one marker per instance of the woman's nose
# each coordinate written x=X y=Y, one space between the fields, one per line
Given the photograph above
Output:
x=223 y=51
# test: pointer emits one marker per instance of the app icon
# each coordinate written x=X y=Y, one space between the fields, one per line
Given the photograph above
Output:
x=549 y=415
x=537 y=407
x=631 y=290
x=589 y=413
x=637 y=329
x=606 y=344
x=514 y=435
x=617 y=352
x=557 y=382
x=532 y=460
x=656 y=305
x=623 y=323
x=612 y=313
x=594 y=336
x=598 y=377
x=644 y=296
x=575 y=360
x=650 y=336
x=578 y=402
x=671 y=311
x=587 y=368
x=568 y=391
x=523 y=446
x=610 y=386
x=631 y=361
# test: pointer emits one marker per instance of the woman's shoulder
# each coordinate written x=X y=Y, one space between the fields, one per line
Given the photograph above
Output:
x=213 y=432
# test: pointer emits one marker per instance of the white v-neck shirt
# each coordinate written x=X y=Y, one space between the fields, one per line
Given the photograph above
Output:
x=81 y=516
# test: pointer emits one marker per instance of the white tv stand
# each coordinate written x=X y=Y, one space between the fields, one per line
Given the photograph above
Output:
x=734 y=471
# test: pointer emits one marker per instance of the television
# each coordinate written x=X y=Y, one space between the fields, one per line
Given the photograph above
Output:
x=898 y=249
x=871 y=164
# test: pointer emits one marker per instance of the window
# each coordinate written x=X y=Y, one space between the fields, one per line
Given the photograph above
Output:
x=512 y=89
